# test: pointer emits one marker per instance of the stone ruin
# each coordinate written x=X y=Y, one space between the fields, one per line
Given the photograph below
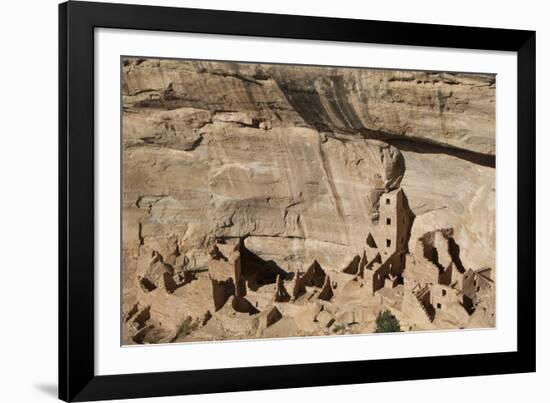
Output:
x=244 y=296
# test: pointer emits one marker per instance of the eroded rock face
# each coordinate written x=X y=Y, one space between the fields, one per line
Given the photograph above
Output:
x=293 y=160
x=454 y=110
x=445 y=191
x=282 y=187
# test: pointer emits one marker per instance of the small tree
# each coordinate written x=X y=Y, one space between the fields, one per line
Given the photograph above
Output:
x=386 y=322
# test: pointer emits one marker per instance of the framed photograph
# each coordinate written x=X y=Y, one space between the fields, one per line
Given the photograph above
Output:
x=258 y=201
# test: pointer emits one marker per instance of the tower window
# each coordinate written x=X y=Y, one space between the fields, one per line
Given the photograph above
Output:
x=387 y=200
x=388 y=221
x=443 y=292
x=388 y=243
x=438 y=306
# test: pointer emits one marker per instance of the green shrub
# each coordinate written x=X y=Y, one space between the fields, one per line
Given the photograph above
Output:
x=187 y=327
x=386 y=322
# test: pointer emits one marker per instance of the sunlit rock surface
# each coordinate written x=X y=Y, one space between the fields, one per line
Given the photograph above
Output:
x=292 y=162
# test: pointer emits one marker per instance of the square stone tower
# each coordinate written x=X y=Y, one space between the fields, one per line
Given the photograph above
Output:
x=394 y=223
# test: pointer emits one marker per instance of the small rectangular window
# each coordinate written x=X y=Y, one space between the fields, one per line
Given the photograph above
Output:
x=388 y=221
x=388 y=243
x=443 y=292
x=438 y=306
x=387 y=200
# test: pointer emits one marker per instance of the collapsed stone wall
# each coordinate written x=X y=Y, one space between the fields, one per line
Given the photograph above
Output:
x=419 y=292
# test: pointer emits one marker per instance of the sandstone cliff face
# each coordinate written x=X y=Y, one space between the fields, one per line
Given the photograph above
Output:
x=283 y=154
x=454 y=110
x=445 y=191
x=294 y=159
x=282 y=189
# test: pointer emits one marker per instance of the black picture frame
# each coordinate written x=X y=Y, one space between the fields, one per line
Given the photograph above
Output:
x=77 y=379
